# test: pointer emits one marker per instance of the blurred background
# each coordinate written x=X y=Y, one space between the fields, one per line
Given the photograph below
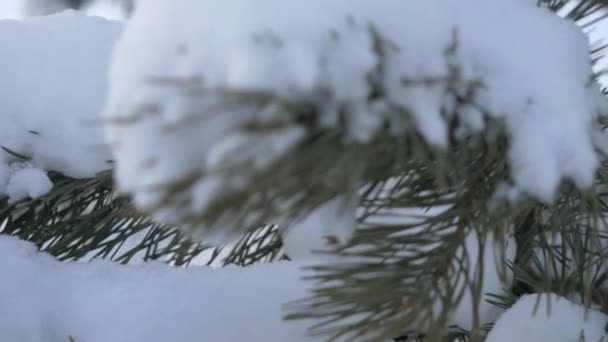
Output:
x=111 y=9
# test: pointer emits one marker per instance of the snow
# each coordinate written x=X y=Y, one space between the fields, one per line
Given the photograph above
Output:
x=109 y=9
x=27 y=182
x=44 y=300
x=320 y=230
x=548 y=317
x=11 y=9
x=171 y=116
x=52 y=91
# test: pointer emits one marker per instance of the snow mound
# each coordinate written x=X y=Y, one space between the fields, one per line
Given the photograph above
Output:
x=548 y=317
x=28 y=182
x=52 y=91
x=173 y=116
x=44 y=300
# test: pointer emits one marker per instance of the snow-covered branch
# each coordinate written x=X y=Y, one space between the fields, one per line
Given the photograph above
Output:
x=225 y=115
x=224 y=91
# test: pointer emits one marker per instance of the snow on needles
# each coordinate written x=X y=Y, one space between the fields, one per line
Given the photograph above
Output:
x=52 y=90
x=170 y=120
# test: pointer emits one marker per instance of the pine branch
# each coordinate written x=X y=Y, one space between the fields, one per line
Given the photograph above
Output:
x=397 y=277
x=82 y=219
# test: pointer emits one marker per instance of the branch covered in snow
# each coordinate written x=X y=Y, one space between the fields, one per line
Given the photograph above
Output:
x=246 y=113
x=54 y=163
x=204 y=118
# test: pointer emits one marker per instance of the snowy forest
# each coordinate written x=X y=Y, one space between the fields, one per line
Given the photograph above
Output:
x=319 y=170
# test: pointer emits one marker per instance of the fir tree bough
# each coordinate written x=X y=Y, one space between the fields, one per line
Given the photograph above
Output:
x=83 y=219
x=397 y=278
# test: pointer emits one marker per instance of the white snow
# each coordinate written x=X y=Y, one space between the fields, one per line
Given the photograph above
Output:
x=44 y=300
x=109 y=9
x=11 y=9
x=330 y=225
x=169 y=119
x=27 y=182
x=52 y=91
x=49 y=301
x=548 y=317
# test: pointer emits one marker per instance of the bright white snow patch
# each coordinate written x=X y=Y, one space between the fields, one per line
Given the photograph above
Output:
x=44 y=300
x=547 y=317
x=168 y=121
x=52 y=91
x=27 y=182
x=328 y=226
x=11 y=9
x=48 y=301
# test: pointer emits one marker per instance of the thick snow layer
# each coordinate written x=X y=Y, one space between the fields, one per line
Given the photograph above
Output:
x=169 y=119
x=52 y=91
x=27 y=182
x=547 y=317
x=44 y=300
x=11 y=9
